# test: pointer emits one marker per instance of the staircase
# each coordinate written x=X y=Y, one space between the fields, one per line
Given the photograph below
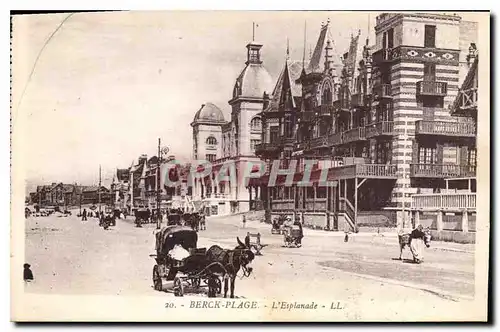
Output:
x=347 y=216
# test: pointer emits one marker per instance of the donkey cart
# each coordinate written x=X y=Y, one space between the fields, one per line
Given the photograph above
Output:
x=178 y=260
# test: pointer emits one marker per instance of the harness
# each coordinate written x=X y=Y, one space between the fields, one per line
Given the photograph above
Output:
x=231 y=253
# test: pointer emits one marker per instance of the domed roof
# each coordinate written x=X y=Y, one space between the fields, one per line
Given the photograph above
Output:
x=253 y=81
x=209 y=113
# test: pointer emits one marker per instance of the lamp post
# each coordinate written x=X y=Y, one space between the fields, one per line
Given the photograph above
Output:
x=161 y=152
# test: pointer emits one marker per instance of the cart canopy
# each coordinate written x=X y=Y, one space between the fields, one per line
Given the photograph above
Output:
x=170 y=236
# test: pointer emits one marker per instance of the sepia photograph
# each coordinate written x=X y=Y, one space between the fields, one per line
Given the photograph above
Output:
x=276 y=166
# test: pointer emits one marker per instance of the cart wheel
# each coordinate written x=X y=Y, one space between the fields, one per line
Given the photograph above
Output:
x=157 y=282
x=178 y=287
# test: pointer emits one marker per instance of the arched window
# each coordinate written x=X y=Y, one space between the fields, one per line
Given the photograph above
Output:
x=211 y=140
x=326 y=97
x=256 y=124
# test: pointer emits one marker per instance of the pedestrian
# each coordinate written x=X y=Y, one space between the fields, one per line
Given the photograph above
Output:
x=84 y=215
x=244 y=221
x=28 y=274
x=417 y=242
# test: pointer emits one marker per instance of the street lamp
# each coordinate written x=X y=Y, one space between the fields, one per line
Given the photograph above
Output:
x=161 y=152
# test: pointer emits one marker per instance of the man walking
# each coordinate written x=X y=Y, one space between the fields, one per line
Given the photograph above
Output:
x=244 y=221
x=84 y=215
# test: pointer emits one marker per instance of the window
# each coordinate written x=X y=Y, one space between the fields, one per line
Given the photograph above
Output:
x=383 y=152
x=430 y=36
x=253 y=143
x=427 y=155
x=274 y=134
x=390 y=38
x=256 y=124
x=211 y=140
x=210 y=157
x=430 y=72
x=471 y=157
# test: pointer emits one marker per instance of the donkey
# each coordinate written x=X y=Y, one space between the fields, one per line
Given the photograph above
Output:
x=232 y=260
x=418 y=233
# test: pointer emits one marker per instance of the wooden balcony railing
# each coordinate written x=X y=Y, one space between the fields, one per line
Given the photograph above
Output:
x=383 y=128
x=319 y=142
x=432 y=88
x=335 y=139
x=306 y=116
x=377 y=171
x=381 y=91
x=383 y=55
x=464 y=129
x=354 y=135
x=324 y=110
x=466 y=101
x=266 y=147
x=442 y=171
x=282 y=204
x=455 y=201
x=341 y=104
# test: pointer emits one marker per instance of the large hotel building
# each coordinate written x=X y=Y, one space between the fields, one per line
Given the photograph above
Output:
x=394 y=123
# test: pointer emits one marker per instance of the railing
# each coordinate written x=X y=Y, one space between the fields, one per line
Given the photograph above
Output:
x=217 y=195
x=432 y=88
x=318 y=204
x=266 y=147
x=306 y=116
x=445 y=128
x=380 y=129
x=365 y=170
x=335 y=139
x=382 y=55
x=346 y=207
x=211 y=147
x=319 y=142
x=467 y=99
x=353 y=135
x=458 y=201
x=341 y=104
x=282 y=204
x=382 y=91
x=324 y=110
x=358 y=99
x=442 y=171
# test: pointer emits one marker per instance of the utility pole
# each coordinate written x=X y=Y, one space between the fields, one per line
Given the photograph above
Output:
x=99 y=189
x=158 y=215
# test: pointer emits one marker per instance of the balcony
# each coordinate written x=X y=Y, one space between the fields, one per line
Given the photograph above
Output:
x=358 y=100
x=432 y=88
x=465 y=103
x=335 y=139
x=382 y=91
x=306 y=116
x=287 y=141
x=217 y=196
x=325 y=110
x=375 y=171
x=354 y=135
x=442 y=171
x=266 y=148
x=319 y=142
x=433 y=202
x=384 y=128
x=459 y=129
x=341 y=104
x=382 y=56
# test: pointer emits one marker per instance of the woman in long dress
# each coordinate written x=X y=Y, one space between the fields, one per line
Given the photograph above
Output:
x=417 y=243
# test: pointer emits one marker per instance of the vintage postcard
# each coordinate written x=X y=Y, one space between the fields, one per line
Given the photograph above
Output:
x=227 y=166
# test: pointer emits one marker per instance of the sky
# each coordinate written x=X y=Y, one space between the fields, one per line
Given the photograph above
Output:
x=108 y=85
